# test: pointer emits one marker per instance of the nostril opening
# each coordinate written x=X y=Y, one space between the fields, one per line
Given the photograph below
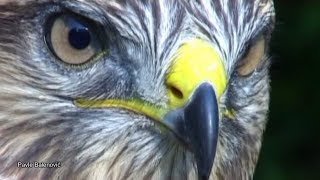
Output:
x=176 y=92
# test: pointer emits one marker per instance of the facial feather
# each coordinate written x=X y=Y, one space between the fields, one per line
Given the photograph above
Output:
x=39 y=122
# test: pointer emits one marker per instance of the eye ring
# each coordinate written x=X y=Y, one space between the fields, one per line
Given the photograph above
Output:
x=73 y=39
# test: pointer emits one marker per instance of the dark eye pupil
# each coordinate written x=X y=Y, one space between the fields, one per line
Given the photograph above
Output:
x=79 y=38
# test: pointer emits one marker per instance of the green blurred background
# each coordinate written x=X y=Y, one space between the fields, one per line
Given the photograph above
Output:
x=291 y=147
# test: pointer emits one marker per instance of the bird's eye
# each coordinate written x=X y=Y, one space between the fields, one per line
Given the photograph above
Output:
x=72 y=39
x=252 y=57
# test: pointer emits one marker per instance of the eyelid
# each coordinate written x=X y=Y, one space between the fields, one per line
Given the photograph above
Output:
x=252 y=57
x=95 y=14
x=265 y=33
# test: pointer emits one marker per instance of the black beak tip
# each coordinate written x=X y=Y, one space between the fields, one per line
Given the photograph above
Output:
x=203 y=177
x=196 y=125
x=202 y=121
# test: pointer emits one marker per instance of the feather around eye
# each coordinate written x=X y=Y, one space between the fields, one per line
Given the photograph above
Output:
x=72 y=39
x=252 y=57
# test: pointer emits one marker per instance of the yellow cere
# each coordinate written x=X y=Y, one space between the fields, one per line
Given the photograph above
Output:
x=195 y=62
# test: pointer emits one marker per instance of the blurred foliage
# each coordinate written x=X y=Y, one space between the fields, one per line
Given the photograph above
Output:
x=291 y=147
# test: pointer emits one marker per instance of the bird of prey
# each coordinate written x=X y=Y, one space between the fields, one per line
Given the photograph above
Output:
x=133 y=89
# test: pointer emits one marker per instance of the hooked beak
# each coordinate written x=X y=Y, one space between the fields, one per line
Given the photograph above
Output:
x=197 y=126
x=195 y=82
